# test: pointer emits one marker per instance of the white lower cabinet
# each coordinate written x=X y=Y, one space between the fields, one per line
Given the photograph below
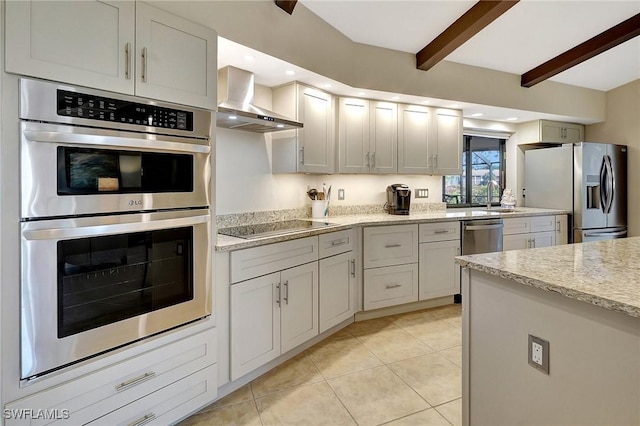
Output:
x=159 y=386
x=337 y=289
x=390 y=285
x=271 y=315
x=439 y=274
x=529 y=232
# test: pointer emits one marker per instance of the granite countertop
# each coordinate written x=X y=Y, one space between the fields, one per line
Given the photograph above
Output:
x=227 y=243
x=603 y=273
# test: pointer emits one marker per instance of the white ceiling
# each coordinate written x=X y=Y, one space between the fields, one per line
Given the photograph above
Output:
x=527 y=35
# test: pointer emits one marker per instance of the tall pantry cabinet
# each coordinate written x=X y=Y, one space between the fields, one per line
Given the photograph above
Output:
x=121 y=46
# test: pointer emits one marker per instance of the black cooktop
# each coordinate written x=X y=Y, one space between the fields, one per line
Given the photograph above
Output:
x=260 y=230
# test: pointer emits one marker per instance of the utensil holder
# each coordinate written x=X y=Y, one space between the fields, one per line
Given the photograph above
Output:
x=318 y=209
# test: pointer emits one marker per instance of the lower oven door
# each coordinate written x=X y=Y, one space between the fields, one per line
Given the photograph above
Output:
x=93 y=284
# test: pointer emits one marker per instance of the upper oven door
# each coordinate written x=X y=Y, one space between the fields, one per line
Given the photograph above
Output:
x=71 y=170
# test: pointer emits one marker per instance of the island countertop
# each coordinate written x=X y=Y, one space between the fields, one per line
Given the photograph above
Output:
x=602 y=273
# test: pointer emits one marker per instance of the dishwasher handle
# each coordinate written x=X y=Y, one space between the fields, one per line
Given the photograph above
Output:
x=483 y=227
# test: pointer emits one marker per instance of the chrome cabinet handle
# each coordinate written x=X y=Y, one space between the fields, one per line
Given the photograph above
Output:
x=286 y=292
x=442 y=231
x=533 y=242
x=392 y=245
x=558 y=226
x=390 y=286
x=339 y=242
x=367 y=159
x=353 y=267
x=127 y=61
x=135 y=381
x=279 y=297
x=144 y=65
x=143 y=420
x=435 y=161
x=302 y=155
x=373 y=159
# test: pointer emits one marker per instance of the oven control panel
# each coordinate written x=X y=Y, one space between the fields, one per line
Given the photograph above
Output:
x=91 y=107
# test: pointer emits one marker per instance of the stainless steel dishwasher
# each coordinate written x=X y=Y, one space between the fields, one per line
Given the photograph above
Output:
x=480 y=236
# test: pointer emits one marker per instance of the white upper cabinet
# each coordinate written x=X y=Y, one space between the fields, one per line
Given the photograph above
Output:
x=120 y=46
x=555 y=131
x=446 y=151
x=88 y=43
x=310 y=149
x=175 y=58
x=367 y=136
x=383 y=138
x=414 y=127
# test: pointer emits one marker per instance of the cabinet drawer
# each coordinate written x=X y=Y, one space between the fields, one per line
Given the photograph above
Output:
x=110 y=388
x=392 y=285
x=335 y=243
x=253 y=262
x=390 y=245
x=442 y=231
x=169 y=404
x=516 y=225
x=542 y=223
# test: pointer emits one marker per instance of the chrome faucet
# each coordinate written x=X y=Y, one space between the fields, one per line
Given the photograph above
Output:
x=490 y=186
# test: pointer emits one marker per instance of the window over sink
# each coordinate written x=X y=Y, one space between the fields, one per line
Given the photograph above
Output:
x=483 y=160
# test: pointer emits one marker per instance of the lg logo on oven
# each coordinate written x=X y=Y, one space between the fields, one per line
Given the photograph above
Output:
x=135 y=202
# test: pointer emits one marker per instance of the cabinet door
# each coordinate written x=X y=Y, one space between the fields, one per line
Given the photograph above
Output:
x=89 y=43
x=353 y=137
x=413 y=139
x=392 y=285
x=255 y=323
x=562 y=234
x=316 y=138
x=438 y=274
x=299 y=305
x=551 y=131
x=543 y=239
x=447 y=156
x=337 y=290
x=383 y=142
x=515 y=242
x=175 y=58
x=573 y=133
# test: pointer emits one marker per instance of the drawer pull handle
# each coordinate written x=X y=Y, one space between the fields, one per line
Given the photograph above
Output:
x=442 y=231
x=390 y=286
x=135 y=381
x=339 y=242
x=393 y=245
x=143 y=420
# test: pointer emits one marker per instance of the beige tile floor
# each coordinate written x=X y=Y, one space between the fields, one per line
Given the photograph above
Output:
x=398 y=370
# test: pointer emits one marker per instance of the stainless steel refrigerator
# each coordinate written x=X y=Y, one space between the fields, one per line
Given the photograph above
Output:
x=588 y=179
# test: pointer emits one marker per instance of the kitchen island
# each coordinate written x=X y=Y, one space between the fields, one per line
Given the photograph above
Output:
x=584 y=299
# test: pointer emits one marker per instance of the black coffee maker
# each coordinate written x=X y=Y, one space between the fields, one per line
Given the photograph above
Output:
x=398 y=198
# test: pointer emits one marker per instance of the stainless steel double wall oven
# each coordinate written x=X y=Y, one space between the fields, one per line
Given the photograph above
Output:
x=115 y=228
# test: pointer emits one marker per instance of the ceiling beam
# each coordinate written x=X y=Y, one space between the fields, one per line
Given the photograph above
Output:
x=472 y=22
x=606 y=40
x=286 y=5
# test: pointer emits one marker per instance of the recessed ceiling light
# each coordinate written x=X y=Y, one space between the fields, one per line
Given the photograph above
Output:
x=249 y=58
x=454 y=106
x=426 y=102
x=290 y=72
x=477 y=114
x=232 y=117
x=395 y=98
x=512 y=118
x=360 y=93
x=328 y=85
x=280 y=126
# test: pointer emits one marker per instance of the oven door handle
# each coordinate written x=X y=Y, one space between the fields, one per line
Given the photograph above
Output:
x=84 y=230
x=112 y=141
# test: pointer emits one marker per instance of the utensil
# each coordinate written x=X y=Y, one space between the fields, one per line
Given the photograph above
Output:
x=313 y=193
x=326 y=208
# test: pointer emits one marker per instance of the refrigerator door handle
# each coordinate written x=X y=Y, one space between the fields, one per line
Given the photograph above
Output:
x=610 y=184
x=603 y=185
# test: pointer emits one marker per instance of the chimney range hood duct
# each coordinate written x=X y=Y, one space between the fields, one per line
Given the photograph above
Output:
x=237 y=111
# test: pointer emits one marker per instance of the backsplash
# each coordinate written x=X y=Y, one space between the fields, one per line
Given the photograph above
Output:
x=238 y=219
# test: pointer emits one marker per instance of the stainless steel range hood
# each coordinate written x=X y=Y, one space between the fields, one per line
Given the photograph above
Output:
x=236 y=109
